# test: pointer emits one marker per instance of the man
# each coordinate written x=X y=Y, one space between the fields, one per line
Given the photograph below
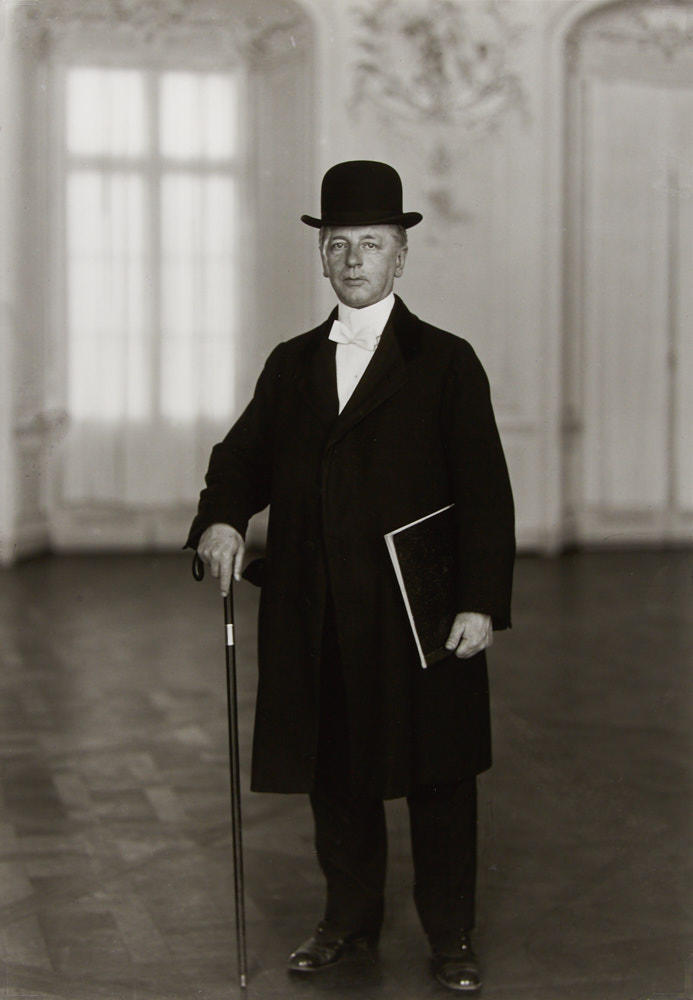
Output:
x=364 y=424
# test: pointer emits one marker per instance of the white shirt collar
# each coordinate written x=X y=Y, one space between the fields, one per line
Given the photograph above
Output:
x=373 y=317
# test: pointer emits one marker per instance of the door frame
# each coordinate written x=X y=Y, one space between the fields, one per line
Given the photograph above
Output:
x=560 y=532
x=563 y=427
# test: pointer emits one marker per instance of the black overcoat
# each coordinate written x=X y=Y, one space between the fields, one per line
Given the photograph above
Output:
x=418 y=433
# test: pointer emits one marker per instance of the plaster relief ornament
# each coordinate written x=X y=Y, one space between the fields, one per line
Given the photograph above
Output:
x=640 y=28
x=440 y=65
x=211 y=31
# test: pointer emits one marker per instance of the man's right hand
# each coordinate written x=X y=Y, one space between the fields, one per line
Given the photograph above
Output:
x=222 y=548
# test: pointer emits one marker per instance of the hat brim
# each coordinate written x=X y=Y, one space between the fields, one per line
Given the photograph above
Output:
x=405 y=219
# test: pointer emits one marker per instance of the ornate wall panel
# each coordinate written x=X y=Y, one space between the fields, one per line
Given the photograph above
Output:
x=628 y=324
x=198 y=31
x=447 y=90
x=636 y=31
x=439 y=67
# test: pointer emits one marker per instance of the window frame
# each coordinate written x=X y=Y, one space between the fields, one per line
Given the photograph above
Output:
x=153 y=167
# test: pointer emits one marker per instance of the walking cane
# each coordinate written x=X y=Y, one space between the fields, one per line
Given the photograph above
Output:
x=198 y=570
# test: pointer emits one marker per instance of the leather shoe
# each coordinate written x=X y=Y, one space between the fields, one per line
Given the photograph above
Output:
x=324 y=949
x=458 y=969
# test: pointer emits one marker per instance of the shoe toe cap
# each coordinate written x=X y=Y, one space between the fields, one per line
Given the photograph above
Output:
x=456 y=975
x=301 y=962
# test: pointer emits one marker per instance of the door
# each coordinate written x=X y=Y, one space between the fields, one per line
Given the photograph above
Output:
x=629 y=315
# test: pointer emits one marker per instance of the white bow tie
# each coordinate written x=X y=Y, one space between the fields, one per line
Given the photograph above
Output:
x=341 y=334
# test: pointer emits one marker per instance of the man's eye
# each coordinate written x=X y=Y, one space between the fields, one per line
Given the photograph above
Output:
x=370 y=246
x=336 y=246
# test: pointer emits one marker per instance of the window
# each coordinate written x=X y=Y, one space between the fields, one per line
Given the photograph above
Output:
x=151 y=259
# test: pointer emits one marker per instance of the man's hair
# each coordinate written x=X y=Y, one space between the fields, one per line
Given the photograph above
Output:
x=399 y=232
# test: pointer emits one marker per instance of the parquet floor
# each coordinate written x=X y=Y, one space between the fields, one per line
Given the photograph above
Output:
x=115 y=866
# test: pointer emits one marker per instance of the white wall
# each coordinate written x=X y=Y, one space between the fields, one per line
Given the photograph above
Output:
x=486 y=263
x=23 y=436
x=489 y=260
x=480 y=274
x=6 y=475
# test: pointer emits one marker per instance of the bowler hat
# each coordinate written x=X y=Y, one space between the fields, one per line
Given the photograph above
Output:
x=362 y=193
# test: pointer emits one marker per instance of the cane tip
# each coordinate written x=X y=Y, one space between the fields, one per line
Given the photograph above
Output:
x=244 y=982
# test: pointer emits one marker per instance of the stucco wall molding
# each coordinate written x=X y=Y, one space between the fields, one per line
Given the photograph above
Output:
x=211 y=30
x=440 y=68
x=667 y=26
x=439 y=61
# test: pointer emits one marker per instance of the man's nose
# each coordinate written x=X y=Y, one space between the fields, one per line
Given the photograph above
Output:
x=354 y=257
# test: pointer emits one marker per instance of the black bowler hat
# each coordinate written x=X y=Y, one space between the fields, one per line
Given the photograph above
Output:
x=362 y=193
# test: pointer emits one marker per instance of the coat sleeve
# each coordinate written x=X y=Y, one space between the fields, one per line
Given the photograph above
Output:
x=238 y=479
x=481 y=489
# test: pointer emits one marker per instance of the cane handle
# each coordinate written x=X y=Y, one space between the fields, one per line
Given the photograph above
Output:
x=198 y=568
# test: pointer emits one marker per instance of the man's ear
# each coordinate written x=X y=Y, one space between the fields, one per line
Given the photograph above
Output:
x=399 y=261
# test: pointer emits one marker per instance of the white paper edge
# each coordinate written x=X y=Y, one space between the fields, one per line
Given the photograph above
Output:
x=400 y=579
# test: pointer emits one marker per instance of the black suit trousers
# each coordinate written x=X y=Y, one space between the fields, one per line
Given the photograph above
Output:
x=351 y=836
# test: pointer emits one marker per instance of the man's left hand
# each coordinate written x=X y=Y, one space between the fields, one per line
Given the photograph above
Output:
x=470 y=633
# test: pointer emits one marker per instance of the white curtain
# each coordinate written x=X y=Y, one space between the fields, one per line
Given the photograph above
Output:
x=151 y=231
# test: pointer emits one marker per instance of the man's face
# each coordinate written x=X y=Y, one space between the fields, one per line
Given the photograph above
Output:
x=362 y=263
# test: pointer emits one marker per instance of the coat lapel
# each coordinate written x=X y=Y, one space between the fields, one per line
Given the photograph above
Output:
x=317 y=380
x=387 y=372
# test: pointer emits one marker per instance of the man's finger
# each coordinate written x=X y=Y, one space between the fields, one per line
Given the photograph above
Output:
x=473 y=644
x=468 y=648
x=456 y=633
x=238 y=561
x=225 y=573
